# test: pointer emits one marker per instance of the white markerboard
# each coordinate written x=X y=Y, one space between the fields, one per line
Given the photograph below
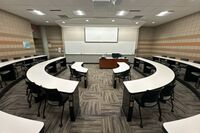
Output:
x=80 y=47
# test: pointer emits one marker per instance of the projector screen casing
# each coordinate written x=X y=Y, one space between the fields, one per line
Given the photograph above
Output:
x=101 y=34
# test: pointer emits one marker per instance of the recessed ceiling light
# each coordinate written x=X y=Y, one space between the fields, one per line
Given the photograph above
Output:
x=136 y=22
x=47 y=21
x=164 y=13
x=87 y=20
x=113 y=20
x=63 y=22
x=153 y=22
x=122 y=13
x=36 y=12
x=79 y=12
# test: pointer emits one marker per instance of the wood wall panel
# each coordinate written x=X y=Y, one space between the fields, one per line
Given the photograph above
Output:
x=178 y=38
x=13 y=31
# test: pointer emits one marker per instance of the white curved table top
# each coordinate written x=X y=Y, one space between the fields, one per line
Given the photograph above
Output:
x=40 y=77
x=160 y=78
x=181 y=61
x=121 y=68
x=78 y=67
x=186 y=125
x=14 y=124
x=6 y=63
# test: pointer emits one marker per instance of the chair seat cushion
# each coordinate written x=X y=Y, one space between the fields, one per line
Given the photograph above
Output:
x=146 y=104
x=4 y=72
x=166 y=98
x=196 y=73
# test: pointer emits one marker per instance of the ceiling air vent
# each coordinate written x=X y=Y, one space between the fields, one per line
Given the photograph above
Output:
x=100 y=0
x=63 y=16
x=55 y=10
x=137 y=17
x=133 y=10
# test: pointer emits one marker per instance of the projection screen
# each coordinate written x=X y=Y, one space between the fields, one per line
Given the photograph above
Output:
x=101 y=34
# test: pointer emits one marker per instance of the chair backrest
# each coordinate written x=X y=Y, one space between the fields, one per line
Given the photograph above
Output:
x=33 y=87
x=27 y=56
x=164 y=56
x=184 y=59
x=150 y=98
x=53 y=95
x=172 y=57
x=3 y=60
x=15 y=58
x=71 y=70
x=167 y=91
x=28 y=61
x=126 y=73
x=197 y=62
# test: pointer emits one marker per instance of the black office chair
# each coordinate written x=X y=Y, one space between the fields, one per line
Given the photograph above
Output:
x=150 y=69
x=49 y=69
x=163 y=55
x=172 y=57
x=183 y=65
x=124 y=76
x=4 y=60
x=198 y=62
x=74 y=75
x=164 y=62
x=167 y=93
x=27 y=64
x=1 y=83
x=197 y=75
x=5 y=73
x=36 y=92
x=55 y=98
x=27 y=56
x=18 y=67
x=148 y=100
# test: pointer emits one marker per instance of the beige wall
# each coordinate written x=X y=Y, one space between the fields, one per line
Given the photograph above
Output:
x=13 y=31
x=145 y=41
x=54 y=37
x=37 y=40
x=179 y=38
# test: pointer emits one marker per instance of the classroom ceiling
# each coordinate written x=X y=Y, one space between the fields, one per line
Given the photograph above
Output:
x=143 y=11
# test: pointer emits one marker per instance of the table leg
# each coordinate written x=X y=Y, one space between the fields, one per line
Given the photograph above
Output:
x=74 y=104
x=114 y=81
x=128 y=104
x=85 y=81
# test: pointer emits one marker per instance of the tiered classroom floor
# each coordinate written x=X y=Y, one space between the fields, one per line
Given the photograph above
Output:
x=100 y=107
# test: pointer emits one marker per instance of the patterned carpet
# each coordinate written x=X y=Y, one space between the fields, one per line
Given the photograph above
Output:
x=100 y=107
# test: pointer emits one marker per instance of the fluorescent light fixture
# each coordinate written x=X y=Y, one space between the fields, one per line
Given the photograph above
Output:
x=87 y=20
x=113 y=20
x=122 y=13
x=79 y=13
x=36 y=12
x=63 y=22
x=164 y=13
x=47 y=21
x=136 y=22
